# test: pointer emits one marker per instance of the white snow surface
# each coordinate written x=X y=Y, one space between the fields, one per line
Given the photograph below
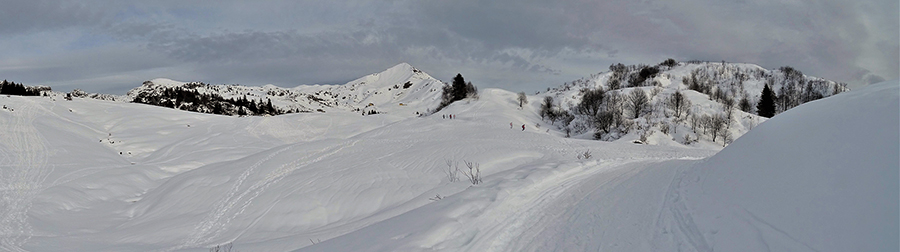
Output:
x=821 y=177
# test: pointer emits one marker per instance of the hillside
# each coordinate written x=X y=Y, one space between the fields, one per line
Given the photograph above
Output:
x=399 y=89
x=95 y=175
x=716 y=101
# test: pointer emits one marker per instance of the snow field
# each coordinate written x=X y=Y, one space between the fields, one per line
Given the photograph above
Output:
x=338 y=181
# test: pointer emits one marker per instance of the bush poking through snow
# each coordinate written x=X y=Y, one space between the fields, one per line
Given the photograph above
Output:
x=223 y=248
x=452 y=170
x=664 y=128
x=474 y=173
x=585 y=155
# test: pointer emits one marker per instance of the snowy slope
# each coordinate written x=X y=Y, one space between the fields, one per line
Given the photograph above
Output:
x=90 y=175
x=383 y=92
x=188 y=181
x=822 y=177
x=731 y=81
x=759 y=194
x=799 y=182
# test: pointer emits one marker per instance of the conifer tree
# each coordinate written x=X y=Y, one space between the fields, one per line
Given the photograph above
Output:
x=459 y=88
x=766 y=105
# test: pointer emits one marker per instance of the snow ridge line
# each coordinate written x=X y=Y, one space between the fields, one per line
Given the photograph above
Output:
x=24 y=177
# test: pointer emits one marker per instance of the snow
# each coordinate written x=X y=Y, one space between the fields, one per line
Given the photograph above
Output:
x=382 y=92
x=820 y=177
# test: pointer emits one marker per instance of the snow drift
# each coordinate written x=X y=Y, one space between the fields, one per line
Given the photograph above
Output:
x=821 y=177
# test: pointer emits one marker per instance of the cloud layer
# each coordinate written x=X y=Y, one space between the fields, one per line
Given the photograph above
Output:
x=516 y=45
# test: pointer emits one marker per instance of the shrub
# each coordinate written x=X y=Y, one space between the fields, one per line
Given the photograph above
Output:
x=669 y=63
x=223 y=248
x=452 y=170
x=585 y=155
x=474 y=173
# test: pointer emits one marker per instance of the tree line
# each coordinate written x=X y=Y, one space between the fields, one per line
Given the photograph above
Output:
x=211 y=103
x=12 y=88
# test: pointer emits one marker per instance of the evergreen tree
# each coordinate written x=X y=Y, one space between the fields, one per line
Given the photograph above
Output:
x=459 y=88
x=547 y=107
x=766 y=105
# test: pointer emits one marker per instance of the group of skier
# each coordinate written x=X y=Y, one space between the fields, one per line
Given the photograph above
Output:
x=451 y=116
x=511 y=126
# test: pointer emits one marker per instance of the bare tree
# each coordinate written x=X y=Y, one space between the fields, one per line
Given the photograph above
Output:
x=637 y=102
x=474 y=173
x=591 y=100
x=696 y=122
x=715 y=125
x=452 y=170
x=522 y=99
x=679 y=104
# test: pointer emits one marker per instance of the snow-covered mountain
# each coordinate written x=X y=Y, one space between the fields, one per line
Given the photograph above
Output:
x=720 y=98
x=399 y=89
x=97 y=175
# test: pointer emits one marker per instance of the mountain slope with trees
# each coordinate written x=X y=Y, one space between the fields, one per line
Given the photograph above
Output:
x=681 y=102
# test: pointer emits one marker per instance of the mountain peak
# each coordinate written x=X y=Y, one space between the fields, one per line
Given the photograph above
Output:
x=402 y=68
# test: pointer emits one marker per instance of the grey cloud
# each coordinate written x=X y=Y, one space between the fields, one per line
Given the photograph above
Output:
x=104 y=69
x=510 y=44
x=41 y=15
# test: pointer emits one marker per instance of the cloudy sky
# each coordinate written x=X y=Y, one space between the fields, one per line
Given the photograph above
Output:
x=522 y=45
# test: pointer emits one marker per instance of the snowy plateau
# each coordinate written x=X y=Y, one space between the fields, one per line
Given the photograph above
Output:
x=108 y=175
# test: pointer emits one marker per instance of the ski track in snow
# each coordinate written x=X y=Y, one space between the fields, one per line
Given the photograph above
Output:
x=540 y=197
x=680 y=214
x=236 y=200
x=22 y=173
x=541 y=216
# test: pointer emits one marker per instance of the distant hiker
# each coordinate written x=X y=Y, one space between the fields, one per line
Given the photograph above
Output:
x=510 y=125
x=443 y=116
x=523 y=127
